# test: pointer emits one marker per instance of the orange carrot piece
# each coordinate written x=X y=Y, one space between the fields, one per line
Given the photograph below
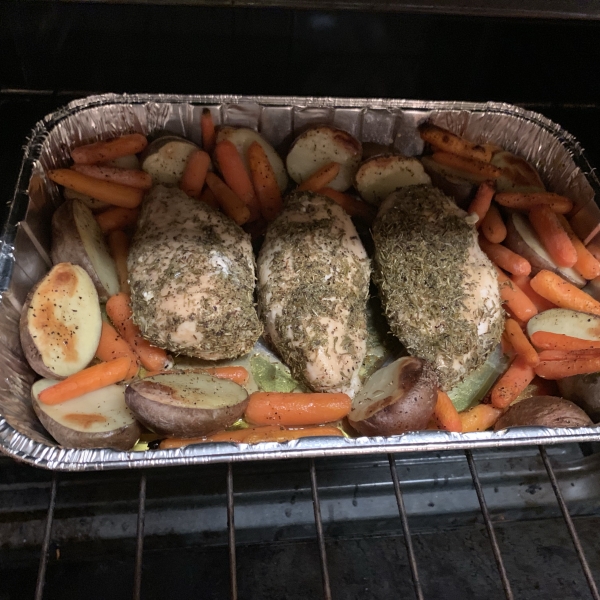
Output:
x=482 y=201
x=229 y=201
x=109 y=149
x=545 y=340
x=107 y=191
x=354 y=207
x=236 y=177
x=469 y=165
x=559 y=369
x=518 y=340
x=553 y=236
x=118 y=309
x=479 y=418
x=207 y=127
x=264 y=182
x=516 y=300
x=503 y=257
x=492 y=226
x=194 y=174
x=526 y=201
x=565 y=295
x=524 y=283
x=234 y=373
x=516 y=378
x=117 y=218
x=447 y=141
x=209 y=198
x=296 y=410
x=446 y=414
x=587 y=264
x=118 y=243
x=561 y=355
x=88 y=380
x=131 y=177
x=112 y=346
x=320 y=178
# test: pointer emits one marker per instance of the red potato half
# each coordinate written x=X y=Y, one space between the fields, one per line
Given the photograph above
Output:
x=186 y=403
x=566 y=322
x=517 y=174
x=459 y=185
x=98 y=419
x=397 y=398
x=61 y=322
x=166 y=157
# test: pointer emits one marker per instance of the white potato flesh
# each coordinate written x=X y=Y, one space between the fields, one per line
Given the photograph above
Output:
x=96 y=248
x=531 y=239
x=95 y=412
x=566 y=322
x=319 y=146
x=166 y=158
x=517 y=174
x=130 y=161
x=379 y=176
x=64 y=319
x=242 y=138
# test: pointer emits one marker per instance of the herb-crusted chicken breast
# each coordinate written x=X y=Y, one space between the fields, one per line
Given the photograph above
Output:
x=439 y=290
x=313 y=284
x=191 y=271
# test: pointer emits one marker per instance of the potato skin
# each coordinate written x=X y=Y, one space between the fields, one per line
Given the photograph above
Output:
x=583 y=390
x=543 y=411
x=123 y=438
x=178 y=421
x=412 y=411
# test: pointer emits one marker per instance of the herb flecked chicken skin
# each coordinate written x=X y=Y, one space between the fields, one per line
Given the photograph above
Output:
x=313 y=285
x=439 y=290
x=192 y=277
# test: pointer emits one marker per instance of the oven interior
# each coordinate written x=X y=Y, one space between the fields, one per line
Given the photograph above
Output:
x=515 y=523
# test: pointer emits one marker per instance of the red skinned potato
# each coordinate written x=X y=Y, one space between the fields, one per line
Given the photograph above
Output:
x=459 y=185
x=398 y=398
x=583 y=390
x=166 y=157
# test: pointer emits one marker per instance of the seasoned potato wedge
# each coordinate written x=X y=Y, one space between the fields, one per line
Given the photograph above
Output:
x=61 y=322
x=379 y=176
x=517 y=174
x=450 y=181
x=398 y=398
x=522 y=239
x=186 y=403
x=242 y=137
x=583 y=390
x=319 y=146
x=566 y=322
x=77 y=238
x=130 y=161
x=97 y=419
x=94 y=205
x=166 y=157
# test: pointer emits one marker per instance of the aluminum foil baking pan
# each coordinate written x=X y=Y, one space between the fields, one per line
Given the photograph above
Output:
x=24 y=255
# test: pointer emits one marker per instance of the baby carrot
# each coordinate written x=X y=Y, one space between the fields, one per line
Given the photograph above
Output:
x=516 y=378
x=118 y=243
x=118 y=309
x=526 y=201
x=470 y=165
x=194 y=174
x=553 y=236
x=234 y=373
x=565 y=295
x=88 y=380
x=354 y=207
x=207 y=127
x=446 y=414
x=479 y=418
x=516 y=300
x=236 y=177
x=521 y=345
x=503 y=257
x=209 y=198
x=131 y=177
x=524 y=283
x=229 y=201
x=482 y=201
x=296 y=410
x=492 y=226
x=109 y=149
x=117 y=218
x=587 y=264
x=264 y=181
x=545 y=340
x=107 y=191
x=112 y=346
x=320 y=178
x=559 y=369
x=449 y=142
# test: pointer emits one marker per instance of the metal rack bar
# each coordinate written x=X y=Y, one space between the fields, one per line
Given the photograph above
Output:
x=407 y=537
x=41 y=578
x=319 y=525
x=489 y=526
x=139 y=547
x=231 y=533
x=570 y=526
